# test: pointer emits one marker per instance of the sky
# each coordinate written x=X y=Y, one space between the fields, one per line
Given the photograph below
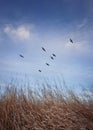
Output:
x=28 y=25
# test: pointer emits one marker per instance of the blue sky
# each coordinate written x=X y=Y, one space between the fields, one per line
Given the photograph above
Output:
x=27 y=25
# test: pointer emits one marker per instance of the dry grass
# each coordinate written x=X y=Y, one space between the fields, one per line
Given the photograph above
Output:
x=45 y=110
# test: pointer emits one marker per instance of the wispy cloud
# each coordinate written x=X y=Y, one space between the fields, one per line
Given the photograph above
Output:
x=80 y=47
x=82 y=24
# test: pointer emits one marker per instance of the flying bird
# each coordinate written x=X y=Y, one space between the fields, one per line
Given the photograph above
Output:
x=43 y=49
x=39 y=70
x=71 y=40
x=54 y=55
x=47 y=64
x=21 y=56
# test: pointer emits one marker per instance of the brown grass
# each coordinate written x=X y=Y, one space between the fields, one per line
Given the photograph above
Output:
x=45 y=110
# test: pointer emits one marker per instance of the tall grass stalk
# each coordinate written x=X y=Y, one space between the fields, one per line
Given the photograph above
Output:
x=45 y=109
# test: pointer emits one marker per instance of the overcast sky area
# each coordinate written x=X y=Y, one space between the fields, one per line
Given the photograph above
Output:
x=27 y=25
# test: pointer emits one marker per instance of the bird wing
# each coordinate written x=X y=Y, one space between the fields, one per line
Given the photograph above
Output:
x=43 y=49
x=21 y=56
x=71 y=40
x=54 y=55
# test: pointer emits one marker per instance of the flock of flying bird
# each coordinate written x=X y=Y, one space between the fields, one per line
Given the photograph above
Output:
x=52 y=56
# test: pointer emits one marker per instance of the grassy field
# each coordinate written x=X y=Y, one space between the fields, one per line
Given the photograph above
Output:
x=46 y=109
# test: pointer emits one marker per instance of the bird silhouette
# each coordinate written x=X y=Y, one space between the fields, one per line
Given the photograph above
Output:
x=71 y=40
x=21 y=56
x=43 y=49
x=54 y=55
x=39 y=70
x=47 y=64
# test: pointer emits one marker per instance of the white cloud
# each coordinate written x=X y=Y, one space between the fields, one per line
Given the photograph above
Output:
x=75 y=46
x=21 y=32
x=79 y=47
